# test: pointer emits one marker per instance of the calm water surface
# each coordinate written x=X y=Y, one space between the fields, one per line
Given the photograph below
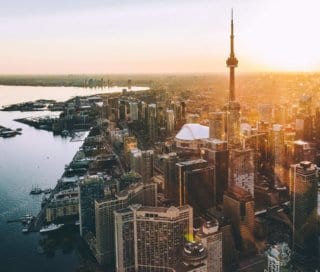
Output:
x=16 y=94
x=35 y=157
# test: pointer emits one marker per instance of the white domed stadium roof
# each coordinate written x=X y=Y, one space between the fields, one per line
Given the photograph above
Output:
x=190 y=132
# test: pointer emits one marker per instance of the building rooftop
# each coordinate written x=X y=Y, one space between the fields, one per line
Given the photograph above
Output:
x=239 y=194
x=281 y=252
x=192 y=162
x=191 y=132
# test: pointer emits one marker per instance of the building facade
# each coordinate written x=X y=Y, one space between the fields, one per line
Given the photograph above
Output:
x=158 y=237
x=90 y=189
x=139 y=193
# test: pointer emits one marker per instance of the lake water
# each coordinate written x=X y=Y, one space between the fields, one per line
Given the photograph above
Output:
x=16 y=94
x=35 y=157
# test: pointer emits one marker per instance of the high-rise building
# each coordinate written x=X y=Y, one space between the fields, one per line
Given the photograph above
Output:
x=142 y=163
x=129 y=84
x=217 y=154
x=265 y=112
x=129 y=143
x=157 y=237
x=122 y=110
x=147 y=161
x=232 y=108
x=238 y=205
x=304 y=127
x=303 y=198
x=171 y=189
x=211 y=237
x=217 y=128
x=242 y=169
x=277 y=155
x=170 y=121
x=197 y=186
x=305 y=104
x=152 y=122
x=134 y=111
x=124 y=239
x=142 y=106
x=138 y=193
x=279 y=258
x=298 y=151
x=90 y=189
x=229 y=252
x=280 y=114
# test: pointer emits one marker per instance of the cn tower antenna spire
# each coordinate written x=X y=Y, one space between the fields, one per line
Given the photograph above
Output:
x=232 y=63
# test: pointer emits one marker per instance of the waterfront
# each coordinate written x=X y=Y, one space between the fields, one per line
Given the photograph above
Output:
x=35 y=157
x=17 y=94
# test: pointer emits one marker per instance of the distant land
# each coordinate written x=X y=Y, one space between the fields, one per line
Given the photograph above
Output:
x=268 y=87
x=71 y=80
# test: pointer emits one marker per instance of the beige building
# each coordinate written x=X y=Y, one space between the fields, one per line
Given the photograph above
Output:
x=65 y=203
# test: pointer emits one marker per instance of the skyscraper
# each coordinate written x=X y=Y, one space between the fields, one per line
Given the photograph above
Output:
x=217 y=154
x=197 y=186
x=90 y=189
x=152 y=122
x=265 y=112
x=242 y=169
x=147 y=160
x=211 y=237
x=157 y=238
x=142 y=163
x=217 y=125
x=304 y=178
x=238 y=205
x=137 y=193
x=170 y=185
x=124 y=239
x=170 y=121
x=232 y=108
x=134 y=111
x=277 y=155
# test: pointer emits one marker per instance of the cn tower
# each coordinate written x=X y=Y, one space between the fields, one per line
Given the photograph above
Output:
x=232 y=63
x=232 y=108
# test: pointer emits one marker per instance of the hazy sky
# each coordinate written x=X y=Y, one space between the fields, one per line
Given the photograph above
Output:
x=138 y=36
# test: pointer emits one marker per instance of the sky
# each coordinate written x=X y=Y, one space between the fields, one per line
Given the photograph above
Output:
x=157 y=36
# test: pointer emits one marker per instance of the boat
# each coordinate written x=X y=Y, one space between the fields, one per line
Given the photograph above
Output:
x=35 y=190
x=65 y=133
x=27 y=216
x=27 y=219
x=47 y=191
x=77 y=223
x=51 y=227
x=25 y=230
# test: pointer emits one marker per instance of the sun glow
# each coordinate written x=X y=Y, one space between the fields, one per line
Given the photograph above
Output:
x=284 y=36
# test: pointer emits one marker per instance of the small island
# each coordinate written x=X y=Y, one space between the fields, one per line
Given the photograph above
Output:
x=8 y=132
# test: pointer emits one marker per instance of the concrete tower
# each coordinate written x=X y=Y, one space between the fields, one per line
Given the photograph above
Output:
x=232 y=63
x=232 y=108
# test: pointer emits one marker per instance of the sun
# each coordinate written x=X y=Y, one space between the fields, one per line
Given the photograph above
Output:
x=284 y=36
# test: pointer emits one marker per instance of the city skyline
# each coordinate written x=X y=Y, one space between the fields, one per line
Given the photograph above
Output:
x=156 y=36
x=167 y=173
